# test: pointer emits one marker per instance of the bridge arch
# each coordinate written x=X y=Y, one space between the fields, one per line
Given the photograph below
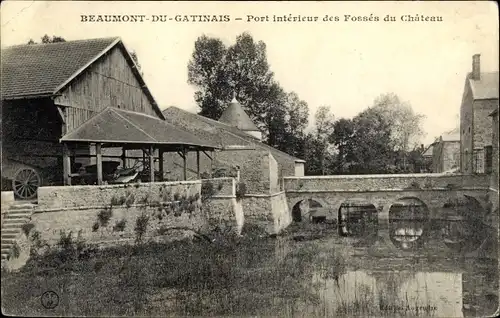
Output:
x=302 y=208
x=357 y=217
x=408 y=222
x=463 y=227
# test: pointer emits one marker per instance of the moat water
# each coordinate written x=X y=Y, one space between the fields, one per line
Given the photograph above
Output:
x=405 y=268
x=379 y=277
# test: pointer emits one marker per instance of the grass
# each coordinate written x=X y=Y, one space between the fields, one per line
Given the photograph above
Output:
x=228 y=276
x=223 y=275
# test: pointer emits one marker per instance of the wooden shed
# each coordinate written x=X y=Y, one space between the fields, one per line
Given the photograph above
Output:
x=49 y=91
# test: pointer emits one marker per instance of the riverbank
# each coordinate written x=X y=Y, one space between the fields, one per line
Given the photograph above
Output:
x=252 y=275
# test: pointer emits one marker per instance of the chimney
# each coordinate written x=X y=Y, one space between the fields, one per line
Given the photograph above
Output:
x=476 y=67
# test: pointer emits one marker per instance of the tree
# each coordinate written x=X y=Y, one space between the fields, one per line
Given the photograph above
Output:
x=218 y=72
x=134 y=56
x=371 y=150
x=406 y=125
x=47 y=39
x=342 y=137
x=324 y=122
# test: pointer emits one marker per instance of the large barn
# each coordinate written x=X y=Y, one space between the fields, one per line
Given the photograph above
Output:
x=69 y=104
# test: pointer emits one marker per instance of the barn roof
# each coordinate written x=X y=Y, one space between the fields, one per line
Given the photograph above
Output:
x=234 y=115
x=40 y=70
x=225 y=136
x=486 y=87
x=117 y=126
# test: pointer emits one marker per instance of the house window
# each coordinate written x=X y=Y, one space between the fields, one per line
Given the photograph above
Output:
x=488 y=159
x=469 y=129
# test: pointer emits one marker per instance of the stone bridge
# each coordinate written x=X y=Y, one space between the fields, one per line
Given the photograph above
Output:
x=433 y=191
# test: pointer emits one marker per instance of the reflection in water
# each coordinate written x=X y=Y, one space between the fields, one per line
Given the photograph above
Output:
x=358 y=219
x=425 y=294
x=463 y=229
x=407 y=223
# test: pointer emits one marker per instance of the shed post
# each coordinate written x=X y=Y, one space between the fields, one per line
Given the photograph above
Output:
x=198 y=163
x=99 y=162
x=66 y=165
x=184 y=156
x=160 y=159
x=124 y=158
x=151 y=164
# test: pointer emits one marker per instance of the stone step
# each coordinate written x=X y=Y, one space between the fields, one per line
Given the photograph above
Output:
x=11 y=230
x=17 y=216
x=20 y=211
x=9 y=235
x=8 y=241
x=21 y=206
x=12 y=225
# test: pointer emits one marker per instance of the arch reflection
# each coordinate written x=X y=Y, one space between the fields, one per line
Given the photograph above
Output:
x=408 y=223
x=357 y=218
x=462 y=229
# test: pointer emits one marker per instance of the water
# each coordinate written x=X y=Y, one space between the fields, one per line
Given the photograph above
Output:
x=380 y=278
x=362 y=267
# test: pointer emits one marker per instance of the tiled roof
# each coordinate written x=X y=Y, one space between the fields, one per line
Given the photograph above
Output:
x=495 y=112
x=452 y=135
x=224 y=135
x=486 y=87
x=114 y=125
x=428 y=151
x=235 y=116
x=39 y=69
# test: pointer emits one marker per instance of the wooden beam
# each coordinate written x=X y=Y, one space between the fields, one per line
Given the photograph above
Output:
x=206 y=154
x=60 y=110
x=151 y=164
x=66 y=165
x=123 y=157
x=198 y=163
x=160 y=159
x=185 y=163
x=99 y=162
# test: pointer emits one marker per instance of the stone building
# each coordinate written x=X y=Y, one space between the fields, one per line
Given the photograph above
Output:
x=242 y=148
x=493 y=164
x=446 y=152
x=480 y=98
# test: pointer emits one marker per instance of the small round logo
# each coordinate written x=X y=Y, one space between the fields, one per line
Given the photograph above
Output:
x=50 y=299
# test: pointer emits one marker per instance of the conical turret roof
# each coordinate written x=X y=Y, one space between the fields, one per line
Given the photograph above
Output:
x=235 y=116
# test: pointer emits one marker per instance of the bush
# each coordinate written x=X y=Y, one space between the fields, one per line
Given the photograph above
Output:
x=141 y=225
x=241 y=190
x=118 y=201
x=104 y=215
x=15 y=251
x=120 y=225
x=27 y=227
x=207 y=190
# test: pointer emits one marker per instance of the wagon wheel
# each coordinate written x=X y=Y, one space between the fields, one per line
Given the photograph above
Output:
x=26 y=182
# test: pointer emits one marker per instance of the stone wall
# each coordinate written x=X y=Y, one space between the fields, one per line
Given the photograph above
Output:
x=466 y=117
x=274 y=184
x=269 y=212
x=451 y=155
x=383 y=182
x=482 y=122
x=495 y=167
x=434 y=199
x=168 y=205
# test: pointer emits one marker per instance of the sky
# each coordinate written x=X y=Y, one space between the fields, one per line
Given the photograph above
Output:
x=343 y=64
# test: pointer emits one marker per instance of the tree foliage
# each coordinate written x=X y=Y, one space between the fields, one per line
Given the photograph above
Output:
x=380 y=139
x=47 y=39
x=217 y=72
